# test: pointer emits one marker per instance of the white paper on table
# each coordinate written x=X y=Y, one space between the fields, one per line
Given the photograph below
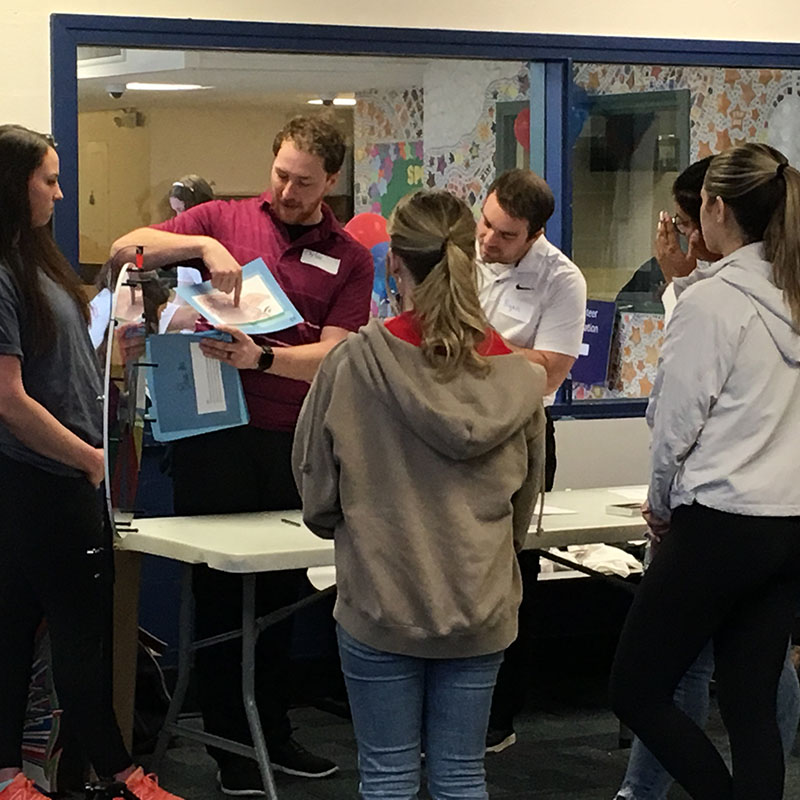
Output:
x=552 y=511
x=321 y=577
x=636 y=494
x=208 y=389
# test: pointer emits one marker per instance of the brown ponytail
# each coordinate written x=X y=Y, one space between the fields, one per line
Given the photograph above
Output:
x=763 y=192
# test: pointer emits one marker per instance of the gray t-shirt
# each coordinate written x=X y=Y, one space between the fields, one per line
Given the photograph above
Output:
x=65 y=379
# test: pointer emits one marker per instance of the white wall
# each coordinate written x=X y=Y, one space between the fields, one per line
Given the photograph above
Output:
x=25 y=45
x=601 y=452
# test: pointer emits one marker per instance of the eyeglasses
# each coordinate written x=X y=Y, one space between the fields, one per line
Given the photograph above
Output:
x=681 y=225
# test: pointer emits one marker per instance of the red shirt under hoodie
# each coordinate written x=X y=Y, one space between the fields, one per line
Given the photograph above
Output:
x=406 y=327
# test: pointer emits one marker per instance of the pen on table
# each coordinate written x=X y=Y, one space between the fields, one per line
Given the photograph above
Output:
x=290 y=522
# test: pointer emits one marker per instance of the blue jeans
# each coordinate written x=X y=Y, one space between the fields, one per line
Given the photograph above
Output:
x=398 y=702
x=646 y=779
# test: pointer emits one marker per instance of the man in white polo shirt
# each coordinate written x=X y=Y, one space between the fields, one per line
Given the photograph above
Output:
x=535 y=298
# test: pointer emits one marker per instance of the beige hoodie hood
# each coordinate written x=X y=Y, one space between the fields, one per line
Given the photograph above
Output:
x=462 y=418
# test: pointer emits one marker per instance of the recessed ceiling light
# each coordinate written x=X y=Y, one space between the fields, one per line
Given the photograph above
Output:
x=164 y=87
x=337 y=101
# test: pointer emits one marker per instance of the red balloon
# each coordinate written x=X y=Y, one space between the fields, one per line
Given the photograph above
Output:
x=367 y=228
x=522 y=128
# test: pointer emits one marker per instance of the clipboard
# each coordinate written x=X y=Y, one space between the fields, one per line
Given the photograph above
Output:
x=191 y=394
x=264 y=306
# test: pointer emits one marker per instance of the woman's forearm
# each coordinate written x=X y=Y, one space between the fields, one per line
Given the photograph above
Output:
x=34 y=426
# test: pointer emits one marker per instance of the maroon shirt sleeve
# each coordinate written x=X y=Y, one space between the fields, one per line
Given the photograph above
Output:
x=197 y=221
x=350 y=308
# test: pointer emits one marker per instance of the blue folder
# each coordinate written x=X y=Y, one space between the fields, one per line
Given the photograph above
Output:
x=172 y=389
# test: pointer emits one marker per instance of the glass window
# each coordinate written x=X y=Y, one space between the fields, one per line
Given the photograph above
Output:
x=635 y=127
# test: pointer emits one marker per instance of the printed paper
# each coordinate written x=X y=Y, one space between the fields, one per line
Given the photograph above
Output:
x=208 y=388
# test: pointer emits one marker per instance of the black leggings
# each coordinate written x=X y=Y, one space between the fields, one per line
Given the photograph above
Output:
x=737 y=579
x=55 y=562
x=511 y=688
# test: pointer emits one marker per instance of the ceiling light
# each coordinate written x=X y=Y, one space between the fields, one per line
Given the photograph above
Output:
x=336 y=101
x=164 y=87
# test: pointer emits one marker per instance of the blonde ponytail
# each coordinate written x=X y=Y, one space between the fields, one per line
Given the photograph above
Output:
x=434 y=234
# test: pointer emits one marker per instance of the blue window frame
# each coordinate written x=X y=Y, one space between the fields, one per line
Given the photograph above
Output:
x=551 y=58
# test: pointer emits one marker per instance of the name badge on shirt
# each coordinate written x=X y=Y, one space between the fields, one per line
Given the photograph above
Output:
x=320 y=261
x=517 y=307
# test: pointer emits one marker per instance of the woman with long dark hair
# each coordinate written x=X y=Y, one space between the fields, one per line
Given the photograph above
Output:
x=724 y=491
x=55 y=551
x=420 y=451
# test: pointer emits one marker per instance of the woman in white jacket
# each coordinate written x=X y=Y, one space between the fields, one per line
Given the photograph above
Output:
x=724 y=490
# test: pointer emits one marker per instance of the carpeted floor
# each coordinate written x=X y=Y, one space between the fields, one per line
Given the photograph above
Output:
x=567 y=749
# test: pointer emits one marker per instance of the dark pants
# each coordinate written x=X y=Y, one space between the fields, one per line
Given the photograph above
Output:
x=239 y=470
x=515 y=673
x=56 y=563
x=735 y=579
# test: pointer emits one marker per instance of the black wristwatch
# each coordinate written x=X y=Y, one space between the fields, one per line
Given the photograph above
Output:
x=266 y=358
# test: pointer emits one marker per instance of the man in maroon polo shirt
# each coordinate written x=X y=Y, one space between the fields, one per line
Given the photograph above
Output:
x=328 y=277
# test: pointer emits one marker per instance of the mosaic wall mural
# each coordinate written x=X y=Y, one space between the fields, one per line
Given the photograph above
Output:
x=387 y=152
x=728 y=107
x=459 y=155
x=398 y=147
x=633 y=361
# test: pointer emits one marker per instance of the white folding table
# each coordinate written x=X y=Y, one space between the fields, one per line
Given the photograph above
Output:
x=247 y=544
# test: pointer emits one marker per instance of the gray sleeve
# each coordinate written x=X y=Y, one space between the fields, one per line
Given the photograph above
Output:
x=315 y=468
x=523 y=502
x=10 y=303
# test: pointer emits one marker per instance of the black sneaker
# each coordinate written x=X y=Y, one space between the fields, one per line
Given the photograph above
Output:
x=498 y=739
x=240 y=777
x=292 y=758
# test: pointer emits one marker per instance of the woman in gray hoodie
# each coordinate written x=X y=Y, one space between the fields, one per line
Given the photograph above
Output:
x=725 y=488
x=419 y=450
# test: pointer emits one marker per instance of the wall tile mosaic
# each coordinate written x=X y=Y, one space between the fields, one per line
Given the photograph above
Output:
x=387 y=151
x=634 y=358
x=728 y=107
x=465 y=164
